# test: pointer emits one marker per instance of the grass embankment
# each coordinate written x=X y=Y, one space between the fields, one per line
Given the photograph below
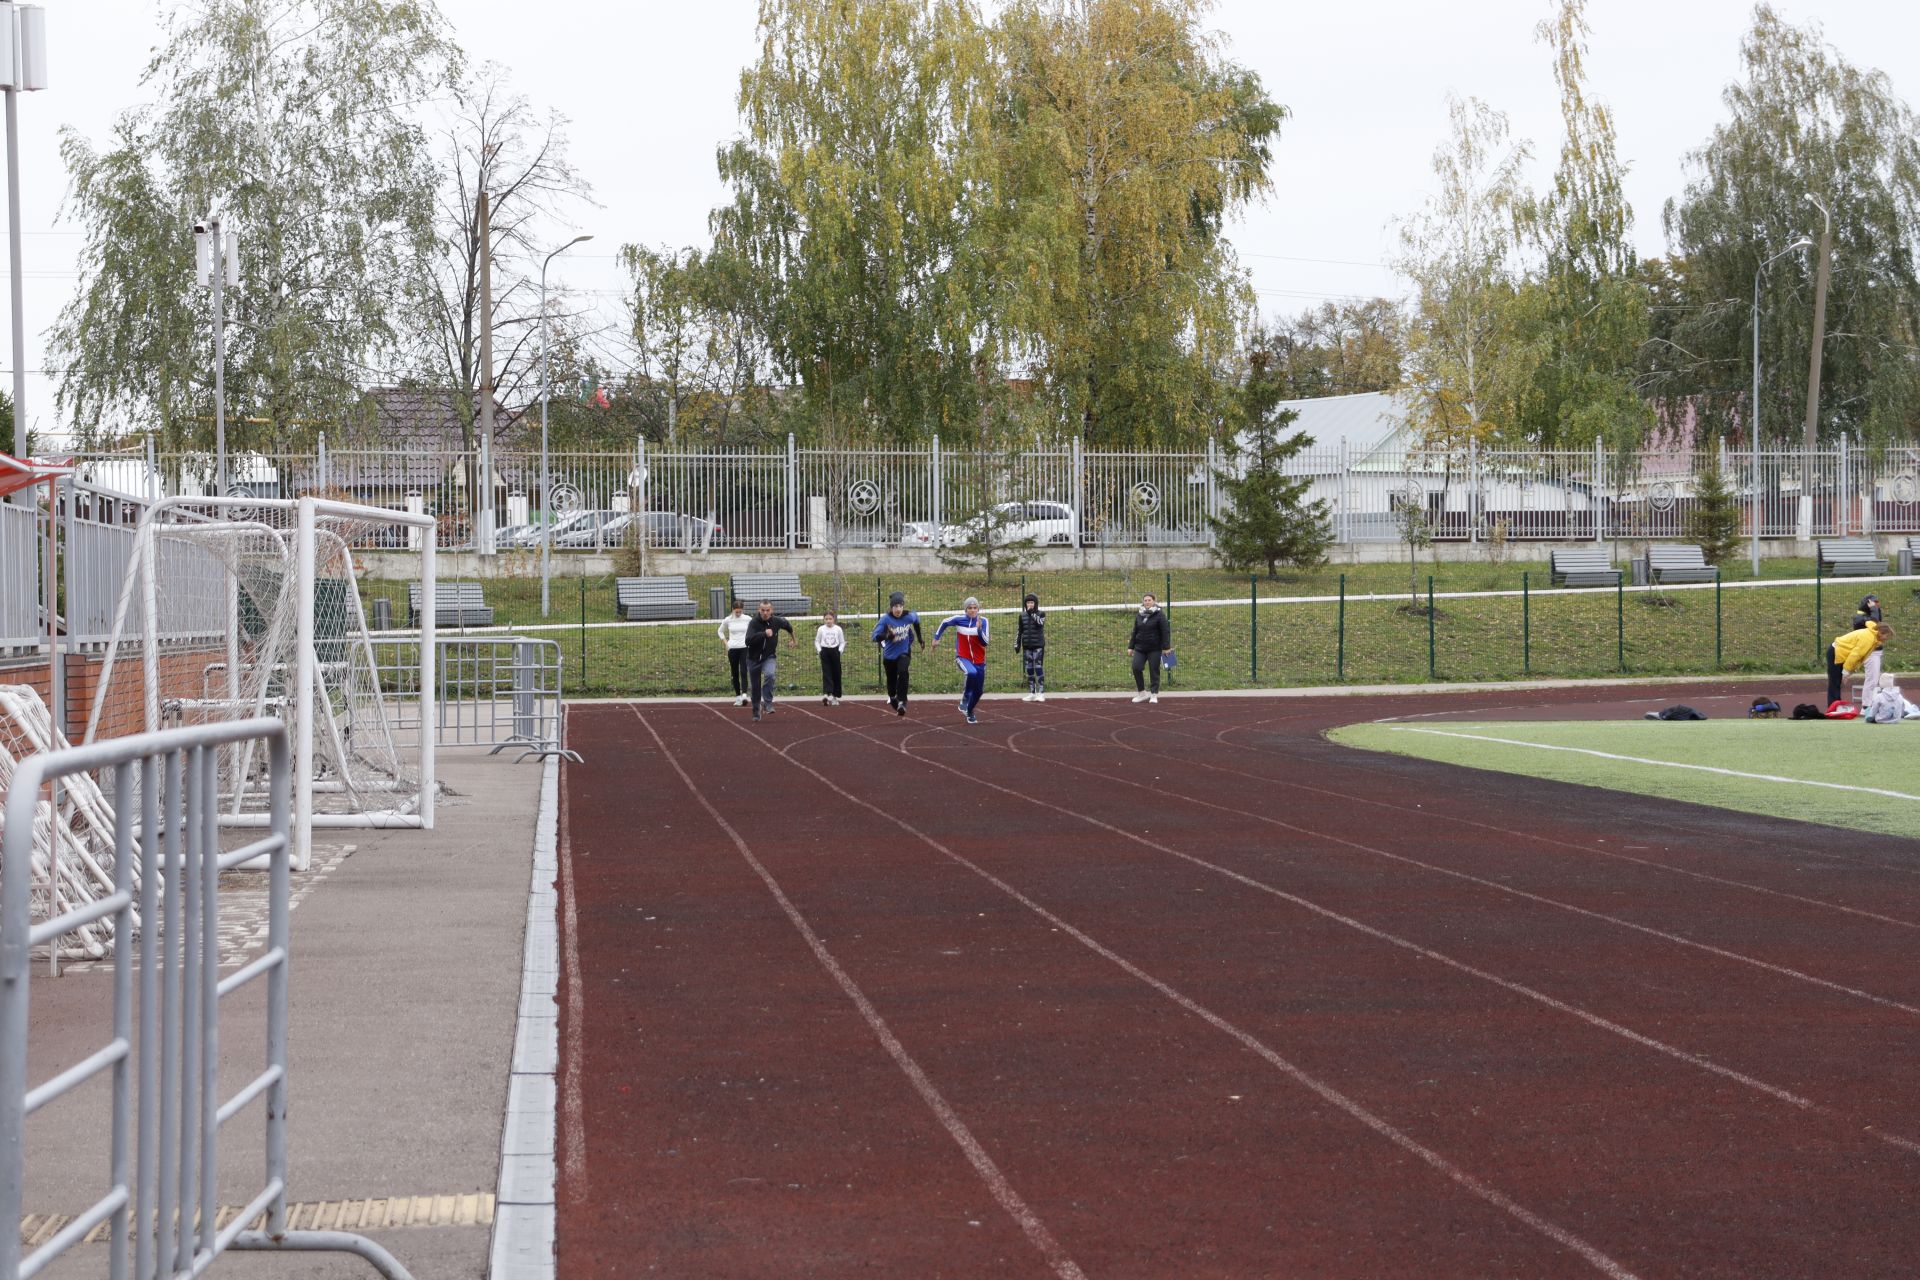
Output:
x=1578 y=635
x=1789 y=758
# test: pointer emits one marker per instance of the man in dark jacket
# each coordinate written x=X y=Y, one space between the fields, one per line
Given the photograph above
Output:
x=1152 y=637
x=1032 y=642
x=763 y=652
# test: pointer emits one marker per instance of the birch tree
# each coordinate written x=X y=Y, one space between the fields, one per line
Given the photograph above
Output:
x=299 y=114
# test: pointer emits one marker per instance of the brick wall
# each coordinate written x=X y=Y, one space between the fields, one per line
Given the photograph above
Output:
x=125 y=712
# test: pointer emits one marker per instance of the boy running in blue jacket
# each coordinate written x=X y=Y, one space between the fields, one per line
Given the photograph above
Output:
x=970 y=652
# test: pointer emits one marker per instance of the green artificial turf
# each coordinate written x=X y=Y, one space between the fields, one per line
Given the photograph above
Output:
x=1788 y=753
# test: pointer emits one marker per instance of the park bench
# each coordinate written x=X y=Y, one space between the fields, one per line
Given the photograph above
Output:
x=1908 y=556
x=1850 y=557
x=781 y=588
x=1678 y=562
x=652 y=599
x=1583 y=567
x=455 y=604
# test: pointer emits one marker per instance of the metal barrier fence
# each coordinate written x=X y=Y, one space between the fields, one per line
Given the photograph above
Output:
x=498 y=691
x=21 y=551
x=792 y=497
x=166 y=1111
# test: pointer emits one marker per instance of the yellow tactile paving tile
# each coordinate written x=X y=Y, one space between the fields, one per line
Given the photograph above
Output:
x=472 y=1209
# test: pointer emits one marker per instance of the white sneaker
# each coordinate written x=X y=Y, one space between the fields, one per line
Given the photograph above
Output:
x=739 y=699
x=1026 y=697
x=1040 y=697
x=1139 y=697
x=1153 y=698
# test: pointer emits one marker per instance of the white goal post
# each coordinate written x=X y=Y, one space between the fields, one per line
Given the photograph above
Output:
x=238 y=607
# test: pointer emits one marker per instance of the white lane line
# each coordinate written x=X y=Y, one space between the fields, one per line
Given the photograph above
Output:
x=1665 y=764
x=1405 y=1141
x=1495 y=885
x=573 y=1104
x=1002 y=1190
x=1429 y=815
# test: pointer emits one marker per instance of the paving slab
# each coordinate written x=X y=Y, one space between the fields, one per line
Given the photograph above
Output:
x=406 y=987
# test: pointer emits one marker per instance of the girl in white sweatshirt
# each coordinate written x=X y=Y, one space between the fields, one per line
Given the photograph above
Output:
x=733 y=630
x=830 y=642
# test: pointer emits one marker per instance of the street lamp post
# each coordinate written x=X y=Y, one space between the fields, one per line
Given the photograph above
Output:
x=1753 y=406
x=546 y=480
x=217 y=263
x=23 y=68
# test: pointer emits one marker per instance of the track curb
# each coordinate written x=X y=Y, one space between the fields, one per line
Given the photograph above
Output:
x=523 y=1231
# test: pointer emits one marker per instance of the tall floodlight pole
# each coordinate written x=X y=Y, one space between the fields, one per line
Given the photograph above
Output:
x=23 y=66
x=216 y=246
x=1753 y=406
x=546 y=480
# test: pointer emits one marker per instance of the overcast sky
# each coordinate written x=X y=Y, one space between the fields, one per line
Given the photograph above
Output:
x=649 y=87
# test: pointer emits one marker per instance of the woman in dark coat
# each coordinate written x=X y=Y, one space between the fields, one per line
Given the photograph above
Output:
x=1152 y=636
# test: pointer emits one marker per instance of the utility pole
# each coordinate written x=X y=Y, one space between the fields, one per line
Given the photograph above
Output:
x=1813 y=372
x=217 y=263
x=23 y=40
x=483 y=503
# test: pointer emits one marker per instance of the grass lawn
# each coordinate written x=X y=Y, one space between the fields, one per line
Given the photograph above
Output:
x=1791 y=758
x=1239 y=646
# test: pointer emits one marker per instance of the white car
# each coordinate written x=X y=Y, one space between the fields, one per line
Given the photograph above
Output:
x=1041 y=523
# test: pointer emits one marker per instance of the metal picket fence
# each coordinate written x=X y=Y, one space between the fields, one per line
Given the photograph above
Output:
x=163 y=1059
x=789 y=497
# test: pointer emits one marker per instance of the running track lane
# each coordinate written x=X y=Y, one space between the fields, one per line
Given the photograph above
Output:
x=1108 y=899
x=1646 y=1160
x=1104 y=1103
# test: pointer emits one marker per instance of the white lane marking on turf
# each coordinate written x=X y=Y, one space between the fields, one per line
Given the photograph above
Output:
x=1665 y=764
x=1406 y=1142
x=1002 y=1190
x=573 y=1103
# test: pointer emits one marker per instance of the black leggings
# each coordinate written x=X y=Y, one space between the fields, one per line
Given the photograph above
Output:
x=737 y=667
x=1145 y=661
x=898 y=670
x=1836 y=678
x=830 y=673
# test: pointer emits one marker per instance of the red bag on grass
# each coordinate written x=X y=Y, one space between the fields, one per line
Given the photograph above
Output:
x=1843 y=711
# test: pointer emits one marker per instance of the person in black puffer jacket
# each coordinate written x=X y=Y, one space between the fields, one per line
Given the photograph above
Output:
x=1152 y=637
x=1032 y=641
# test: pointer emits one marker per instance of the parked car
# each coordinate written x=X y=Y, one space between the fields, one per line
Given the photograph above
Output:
x=588 y=529
x=664 y=529
x=521 y=536
x=1042 y=523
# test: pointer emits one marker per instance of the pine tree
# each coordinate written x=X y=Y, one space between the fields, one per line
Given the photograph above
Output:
x=1268 y=519
x=1714 y=520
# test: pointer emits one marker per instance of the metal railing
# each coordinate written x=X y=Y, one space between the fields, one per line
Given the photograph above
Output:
x=166 y=1113
x=789 y=497
x=498 y=691
x=21 y=550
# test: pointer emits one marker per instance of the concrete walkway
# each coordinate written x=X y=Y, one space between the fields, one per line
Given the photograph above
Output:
x=406 y=983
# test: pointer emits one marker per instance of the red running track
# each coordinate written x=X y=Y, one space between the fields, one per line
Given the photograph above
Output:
x=1186 y=990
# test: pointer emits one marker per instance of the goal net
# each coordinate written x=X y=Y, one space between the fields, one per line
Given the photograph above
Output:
x=243 y=607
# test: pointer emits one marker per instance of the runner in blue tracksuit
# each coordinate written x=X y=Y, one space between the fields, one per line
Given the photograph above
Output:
x=895 y=633
x=970 y=652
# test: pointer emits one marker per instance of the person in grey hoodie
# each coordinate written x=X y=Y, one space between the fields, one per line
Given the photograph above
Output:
x=1032 y=643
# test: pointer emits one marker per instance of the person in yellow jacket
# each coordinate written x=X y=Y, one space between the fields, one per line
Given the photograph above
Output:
x=1848 y=653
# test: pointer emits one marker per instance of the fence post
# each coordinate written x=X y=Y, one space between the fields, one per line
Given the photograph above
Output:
x=1841 y=491
x=1346 y=521
x=1430 y=662
x=1526 y=624
x=1168 y=606
x=1253 y=627
x=939 y=487
x=1599 y=482
x=1620 y=620
x=793 y=497
x=582 y=580
x=1079 y=489
x=1716 y=618
x=1473 y=490
x=879 y=650
x=325 y=464
x=1819 y=649
x=1340 y=658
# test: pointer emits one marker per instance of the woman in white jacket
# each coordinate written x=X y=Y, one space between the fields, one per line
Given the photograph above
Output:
x=830 y=642
x=733 y=630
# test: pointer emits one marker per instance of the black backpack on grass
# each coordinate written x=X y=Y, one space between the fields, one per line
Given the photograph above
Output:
x=1807 y=711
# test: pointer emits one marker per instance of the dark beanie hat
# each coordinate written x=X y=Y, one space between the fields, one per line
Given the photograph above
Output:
x=898 y=597
x=1030 y=596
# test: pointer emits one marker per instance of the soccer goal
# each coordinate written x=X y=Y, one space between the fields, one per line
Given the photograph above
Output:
x=239 y=607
